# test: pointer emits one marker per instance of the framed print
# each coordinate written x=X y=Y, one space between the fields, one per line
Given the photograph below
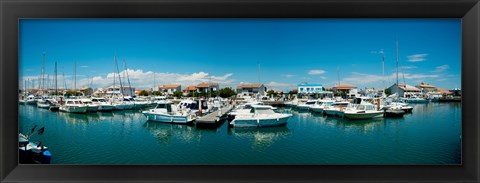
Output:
x=280 y=91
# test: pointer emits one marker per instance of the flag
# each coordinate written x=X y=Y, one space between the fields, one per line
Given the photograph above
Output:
x=40 y=131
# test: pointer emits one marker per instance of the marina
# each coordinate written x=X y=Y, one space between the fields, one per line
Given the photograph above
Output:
x=431 y=134
x=253 y=91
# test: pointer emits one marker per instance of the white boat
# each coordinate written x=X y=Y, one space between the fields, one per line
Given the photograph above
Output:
x=102 y=104
x=73 y=106
x=91 y=107
x=260 y=116
x=336 y=109
x=129 y=104
x=31 y=99
x=363 y=111
x=43 y=104
x=306 y=105
x=165 y=112
x=415 y=99
x=320 y=105
x=400 y=105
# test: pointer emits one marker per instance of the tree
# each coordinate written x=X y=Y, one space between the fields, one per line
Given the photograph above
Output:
x=271 y=93
x=388 y=91
x=226 y=92
x=157 y=93
x=143 y=93
x=178 y=94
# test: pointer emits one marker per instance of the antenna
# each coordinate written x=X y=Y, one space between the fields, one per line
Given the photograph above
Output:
x=258 y=72
x=396 y=41
x=75 y=77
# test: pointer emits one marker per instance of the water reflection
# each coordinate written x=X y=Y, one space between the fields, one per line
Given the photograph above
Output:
x=166 y=132
x=261 y=137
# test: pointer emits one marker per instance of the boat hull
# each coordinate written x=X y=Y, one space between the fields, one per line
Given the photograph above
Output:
x=74 y=109
x=377 y=114
x=251 y=123
x=164 y=118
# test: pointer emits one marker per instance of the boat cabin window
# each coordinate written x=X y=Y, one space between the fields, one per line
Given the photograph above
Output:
x=94 y=100
x=101 y=100
x=262 y=111
x=78 y=102
x=70 y=102
x=309 y=103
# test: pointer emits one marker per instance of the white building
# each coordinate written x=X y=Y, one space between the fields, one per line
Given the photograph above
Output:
x=170 y=88
x=251 y=90
x=305 y=88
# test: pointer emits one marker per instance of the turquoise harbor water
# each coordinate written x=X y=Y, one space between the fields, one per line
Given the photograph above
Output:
x=429 y=135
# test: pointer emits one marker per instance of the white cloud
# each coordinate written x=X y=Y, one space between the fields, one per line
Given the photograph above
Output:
x=146 y=80
x=371 y=80
x=316 y=72
x=408 y=67
x=441 y=68
x=84 y=66
x=280 y=86
x=288 y=75
x=323 y=77
x=417 y=57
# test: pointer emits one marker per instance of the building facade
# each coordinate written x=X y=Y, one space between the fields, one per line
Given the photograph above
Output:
x=251 y=90
x=170 y=88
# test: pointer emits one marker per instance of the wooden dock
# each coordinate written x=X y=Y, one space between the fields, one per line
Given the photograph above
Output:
x=215 y=117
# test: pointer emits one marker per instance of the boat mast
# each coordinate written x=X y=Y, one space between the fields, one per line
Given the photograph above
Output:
x=114 y=73
x=128 y=77
x=338 y=75
x=396 y=41
x=383 y=72
x=258 y=73
x=75 y=78
x=154 y=84
x=43 y=72
x=119 y=78
x=56 y=86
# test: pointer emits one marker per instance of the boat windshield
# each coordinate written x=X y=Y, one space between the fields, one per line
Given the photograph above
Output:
x=262 y=111
x=310 y=103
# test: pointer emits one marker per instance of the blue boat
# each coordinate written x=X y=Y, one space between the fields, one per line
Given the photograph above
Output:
x=32 y=153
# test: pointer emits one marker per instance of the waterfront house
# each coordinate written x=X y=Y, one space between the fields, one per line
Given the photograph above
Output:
x=251 y=90
x=206 y=87
x=313 y=90
x=170 y=88
x=404 y=90
x=426 y=87
x=115 y=89
x=188 y=90
x=86 y=91
x=347 y=89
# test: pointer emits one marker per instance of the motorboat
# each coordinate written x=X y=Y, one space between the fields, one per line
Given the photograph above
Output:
x=31 y=100
x=165 y=112
x=363 y=111
x=102 y=104
x=32 y=153
x=260 y=116
x=91 y=107
x=305 y=106
x=45 y=104
x=320 y=105
x=245 y=109
x=400 y=105
x=73 y=106
x=336 y=109
x=415 y=99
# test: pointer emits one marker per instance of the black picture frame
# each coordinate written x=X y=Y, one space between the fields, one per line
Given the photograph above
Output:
x=11 y=11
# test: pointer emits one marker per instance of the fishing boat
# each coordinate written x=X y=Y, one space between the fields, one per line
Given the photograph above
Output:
x=336 y=109
x=91 y=107
x=363 y=111
x=320 y=105
x=31 y=100
x=45 y=104
x=305 y=106
x=73 y=106
x=102 y=104
x=165 y=112
x=260 y=116
x=30 y=152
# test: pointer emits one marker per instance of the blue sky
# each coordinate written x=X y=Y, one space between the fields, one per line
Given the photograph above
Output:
x=228 y=51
